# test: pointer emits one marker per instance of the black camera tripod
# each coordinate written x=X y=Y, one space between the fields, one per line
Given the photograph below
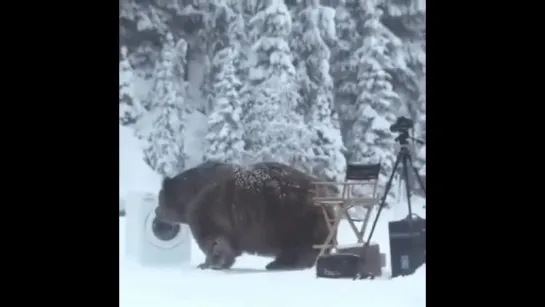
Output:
x=404 y=156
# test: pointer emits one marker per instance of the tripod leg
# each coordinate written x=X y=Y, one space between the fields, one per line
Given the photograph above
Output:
x=406 y=160
x=383 y=200
x=418 y=178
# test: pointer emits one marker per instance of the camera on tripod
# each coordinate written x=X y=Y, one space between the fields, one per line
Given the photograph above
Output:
x=407 y=241
x=402 y=124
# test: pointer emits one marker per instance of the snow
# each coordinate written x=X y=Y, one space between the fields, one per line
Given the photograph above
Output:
x=405 y=7
x=144 y=23
x=194 y=142
x=135 y=176
x=196 y=69
x=189 y=286
x=165 y=287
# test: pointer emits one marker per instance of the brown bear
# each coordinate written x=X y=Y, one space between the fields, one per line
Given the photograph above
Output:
x=178 y=191
x=266 y=209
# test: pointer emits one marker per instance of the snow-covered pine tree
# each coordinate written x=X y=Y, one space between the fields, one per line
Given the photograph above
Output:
x=344 y=66
x=274 y=131
x=376 y=103
x=237 y=33
x=224 y=137
x=225 y=24
x=420 y=133
x=407 y=20
x=224 y=27
x=225 y=131
x=129 y=106
x=164 y=150
x=142 y=29
x=312 y=23
x=298 y=54
x=247 y=9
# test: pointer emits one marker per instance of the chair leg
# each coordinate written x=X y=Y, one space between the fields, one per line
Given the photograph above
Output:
x=330 y=238
x=352 y=224
x=366 y=220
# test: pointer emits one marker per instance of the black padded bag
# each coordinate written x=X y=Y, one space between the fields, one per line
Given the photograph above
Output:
x=340 y=265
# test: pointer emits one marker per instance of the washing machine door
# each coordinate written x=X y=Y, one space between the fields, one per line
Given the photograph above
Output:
x=163 y=235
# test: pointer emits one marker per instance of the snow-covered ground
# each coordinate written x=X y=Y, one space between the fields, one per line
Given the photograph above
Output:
x=248 y=284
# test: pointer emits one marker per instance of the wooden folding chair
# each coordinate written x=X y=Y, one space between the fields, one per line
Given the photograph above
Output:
x=356 y=176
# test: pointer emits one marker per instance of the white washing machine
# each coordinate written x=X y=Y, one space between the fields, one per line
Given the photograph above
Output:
x=148 y=240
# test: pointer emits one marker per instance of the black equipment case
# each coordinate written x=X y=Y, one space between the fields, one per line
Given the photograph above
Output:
x=407 y=245
x=342 y=265
x=339 y=265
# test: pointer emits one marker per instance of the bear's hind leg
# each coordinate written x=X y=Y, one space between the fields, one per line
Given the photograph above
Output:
x=298 y=259
x=306 y=258
x=285 y=260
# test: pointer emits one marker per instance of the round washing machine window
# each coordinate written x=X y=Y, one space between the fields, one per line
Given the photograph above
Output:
x=164 y=231
x=162 y=234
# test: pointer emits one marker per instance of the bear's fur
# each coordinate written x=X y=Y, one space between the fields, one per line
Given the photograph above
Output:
x=266 y=209
x=178 y=191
